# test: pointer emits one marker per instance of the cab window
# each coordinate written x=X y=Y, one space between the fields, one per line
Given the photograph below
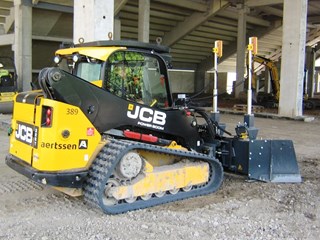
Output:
x=86 y=68
x=88 y=71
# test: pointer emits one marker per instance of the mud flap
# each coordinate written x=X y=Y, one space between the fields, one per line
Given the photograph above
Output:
x=268 y=160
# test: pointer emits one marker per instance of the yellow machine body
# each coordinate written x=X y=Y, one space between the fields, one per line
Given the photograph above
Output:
x=6 y=96
x=67 y=144
x=101 y=53
x=70 y=143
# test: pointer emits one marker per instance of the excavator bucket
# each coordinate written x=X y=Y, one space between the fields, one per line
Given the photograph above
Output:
x=267 y=160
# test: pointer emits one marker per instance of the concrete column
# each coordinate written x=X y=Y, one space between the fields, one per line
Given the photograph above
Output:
x=241 y=49
x=117 y=29
x=267 y=87
x=144 y=21
x=317 y=81
x=92 y=20
x=293 y=57
x=310 y=71
x=2 y=31
x=221 y=84
x=23 y=44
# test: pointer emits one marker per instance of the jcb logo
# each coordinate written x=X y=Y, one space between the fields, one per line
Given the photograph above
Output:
x=146 y=115
x=26 y=134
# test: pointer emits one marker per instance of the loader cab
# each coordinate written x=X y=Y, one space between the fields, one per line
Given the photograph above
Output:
x=133 y=72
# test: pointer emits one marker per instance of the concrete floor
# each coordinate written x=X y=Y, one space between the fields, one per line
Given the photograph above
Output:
x=239 y=209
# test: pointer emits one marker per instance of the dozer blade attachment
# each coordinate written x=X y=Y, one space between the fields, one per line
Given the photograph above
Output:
x=274 y=161
x=268 y=160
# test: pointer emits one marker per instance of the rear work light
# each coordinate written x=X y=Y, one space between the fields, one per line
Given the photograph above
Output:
x=46 y=119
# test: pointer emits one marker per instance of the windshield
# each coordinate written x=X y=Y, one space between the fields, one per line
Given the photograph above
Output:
x=137 y=77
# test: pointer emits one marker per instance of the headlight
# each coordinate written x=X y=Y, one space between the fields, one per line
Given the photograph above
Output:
x=57 y=59
x=76 y=57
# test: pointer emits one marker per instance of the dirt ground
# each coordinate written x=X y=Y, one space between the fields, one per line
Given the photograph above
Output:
x=239 y=210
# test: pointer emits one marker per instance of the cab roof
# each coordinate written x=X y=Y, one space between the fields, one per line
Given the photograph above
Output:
x=101 y=53
x=103 y=49
x=127 y=44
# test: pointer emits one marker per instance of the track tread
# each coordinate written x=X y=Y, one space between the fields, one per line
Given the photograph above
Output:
x=105 y=162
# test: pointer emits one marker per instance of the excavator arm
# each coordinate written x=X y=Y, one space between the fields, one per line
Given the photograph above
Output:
x=274 y=75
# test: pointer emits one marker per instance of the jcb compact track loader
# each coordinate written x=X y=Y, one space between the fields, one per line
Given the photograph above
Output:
x=104 y=125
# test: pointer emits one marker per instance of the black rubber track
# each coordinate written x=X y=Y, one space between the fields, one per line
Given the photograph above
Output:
x=108 y=158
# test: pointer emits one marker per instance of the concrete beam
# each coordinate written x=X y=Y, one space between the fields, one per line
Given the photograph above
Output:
x=189 y=52
x=193 y=47
x=195 y=6
x=118 y=5
x=154 y=13
x=134 y=17
x=314 y=19
x=44 y=21
x=212 y=36
x=272 y=10
x=66 y=8
x=231 y=49
x=9 y=21
x=171 y=9
x=258 y=32
x=6 y=4
x=192 y=22
x=313 y=37
x=199 y=44
x=135 y=30
x=255 y=3
x=51 y=39
x=6 y=39
x=214 y=25
x=196 y=58
x=4 y=12
x=196 y=39
x=225 y=21
x=250 y=19
x=217 y=31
